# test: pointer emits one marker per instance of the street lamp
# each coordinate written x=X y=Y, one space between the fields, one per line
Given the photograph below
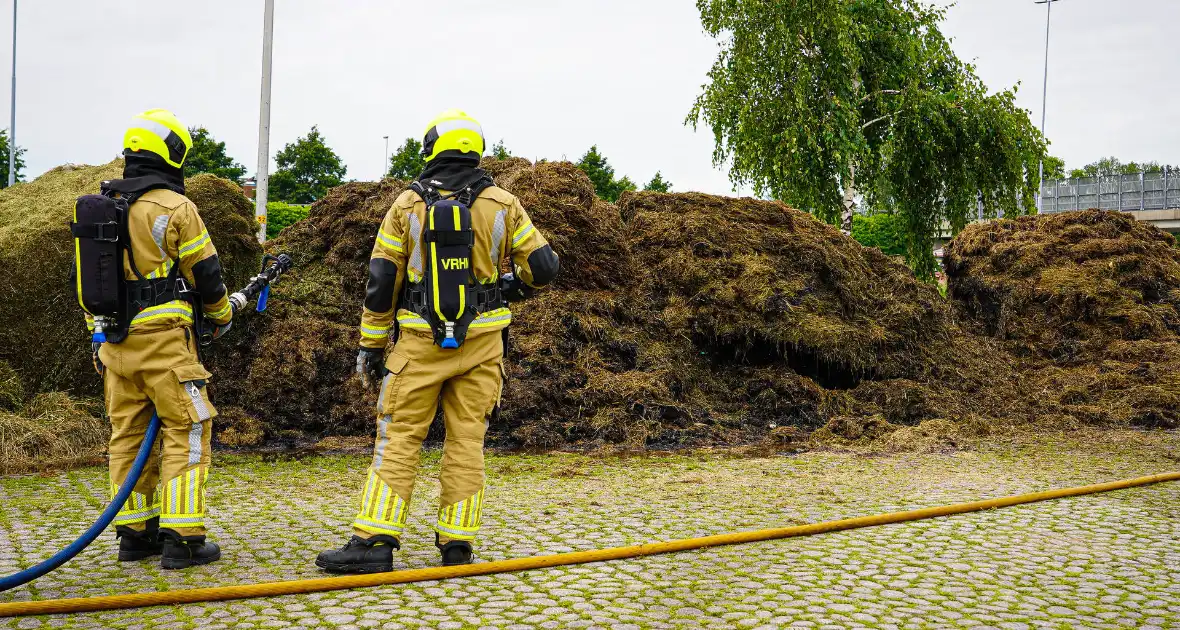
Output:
x=1044 y=95
x=12 y=122
x=385 y=169
x=262 y=181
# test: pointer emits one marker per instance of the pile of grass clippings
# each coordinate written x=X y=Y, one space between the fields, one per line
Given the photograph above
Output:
x=1088 y=302
x=678 y=319
x=52 y=430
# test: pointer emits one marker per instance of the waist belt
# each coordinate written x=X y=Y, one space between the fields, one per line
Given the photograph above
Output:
x=483 y=297
x=143 y=294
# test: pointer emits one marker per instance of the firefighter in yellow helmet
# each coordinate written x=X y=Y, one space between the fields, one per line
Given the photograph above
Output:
x=435 y=287
x=152 y=366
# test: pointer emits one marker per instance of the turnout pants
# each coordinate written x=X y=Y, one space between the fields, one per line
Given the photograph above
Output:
x=468 y=380
x=160 y=373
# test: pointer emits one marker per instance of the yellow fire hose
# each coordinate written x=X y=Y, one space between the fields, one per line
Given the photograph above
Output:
x=271 y=589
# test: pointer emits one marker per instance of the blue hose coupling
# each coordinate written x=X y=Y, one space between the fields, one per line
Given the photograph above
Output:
x=450 y=344
x=98 y=337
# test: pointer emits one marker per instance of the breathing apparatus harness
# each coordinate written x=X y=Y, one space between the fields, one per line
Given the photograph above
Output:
x=101 y=237
x=448 y=295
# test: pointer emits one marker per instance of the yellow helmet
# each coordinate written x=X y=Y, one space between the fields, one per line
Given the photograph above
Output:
x=158 y=131
x=453 y=130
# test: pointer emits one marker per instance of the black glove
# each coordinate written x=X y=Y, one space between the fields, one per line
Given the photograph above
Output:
x=370 y=365
x=218 y=331
x=513 y=289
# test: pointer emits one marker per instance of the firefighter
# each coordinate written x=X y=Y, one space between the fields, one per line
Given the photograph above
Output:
x=453 y=206
x=155 y=368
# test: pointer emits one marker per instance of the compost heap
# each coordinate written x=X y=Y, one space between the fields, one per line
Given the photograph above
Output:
x=44 y=338
x=678 y=319
x=1090 y=303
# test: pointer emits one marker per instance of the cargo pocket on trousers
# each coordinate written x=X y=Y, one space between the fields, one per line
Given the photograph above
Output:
x=193 y=395
x=394 y=366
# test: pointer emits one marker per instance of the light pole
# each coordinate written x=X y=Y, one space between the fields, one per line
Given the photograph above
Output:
x=385 y=169
x=1044 y=96
x=263 y=177
x=12 y=121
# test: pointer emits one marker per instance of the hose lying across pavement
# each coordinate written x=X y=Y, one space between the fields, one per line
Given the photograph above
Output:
x=221 y=593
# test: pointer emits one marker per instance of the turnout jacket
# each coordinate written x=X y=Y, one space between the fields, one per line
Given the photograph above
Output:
x=502 y=229
x=166 y=231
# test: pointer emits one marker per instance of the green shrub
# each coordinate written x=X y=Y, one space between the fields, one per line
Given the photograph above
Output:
x=882 y=231
x=279 y=215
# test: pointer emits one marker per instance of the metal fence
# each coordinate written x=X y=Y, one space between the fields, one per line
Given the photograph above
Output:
x=1142 y=191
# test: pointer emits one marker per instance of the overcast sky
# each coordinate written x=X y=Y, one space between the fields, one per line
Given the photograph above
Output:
x=549 y=77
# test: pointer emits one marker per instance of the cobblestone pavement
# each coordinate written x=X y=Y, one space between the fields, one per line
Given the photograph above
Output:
x=1105 y=561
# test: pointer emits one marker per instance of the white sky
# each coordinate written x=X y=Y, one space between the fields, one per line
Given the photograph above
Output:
x=550 y=77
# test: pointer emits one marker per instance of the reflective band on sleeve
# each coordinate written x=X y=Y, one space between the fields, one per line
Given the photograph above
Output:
x=196 y=245
x=162 y=270
x=390 y=242
x=222 y=312
x=415 y=244
x=498 y=230
x=376 y=332
x=159 y=229
x=522 y=234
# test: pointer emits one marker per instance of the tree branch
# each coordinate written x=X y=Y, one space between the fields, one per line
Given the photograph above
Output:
x=875 y=121
x=888 y=92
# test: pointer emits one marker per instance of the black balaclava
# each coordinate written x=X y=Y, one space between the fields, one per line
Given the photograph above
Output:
x=452 y=170
x=144 y=171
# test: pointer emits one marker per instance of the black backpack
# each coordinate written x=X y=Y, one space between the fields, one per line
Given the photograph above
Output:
x=449 y=297
x=100 y=238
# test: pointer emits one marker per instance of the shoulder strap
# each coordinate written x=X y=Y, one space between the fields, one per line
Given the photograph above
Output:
x=466 y=194
x=124 y=227
x=427 y=193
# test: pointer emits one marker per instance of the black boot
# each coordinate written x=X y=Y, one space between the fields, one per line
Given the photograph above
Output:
x=455 y=552
x=182 y=552
x=137 y=545
x=360 y=555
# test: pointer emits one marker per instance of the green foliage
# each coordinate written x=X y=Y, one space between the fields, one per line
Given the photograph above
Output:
x=883 y=231
x=599 y=170
x=659 y=184
x=408 y=162
x=307 y=169
x=500 y=152
x=1109 y=166
x=209 y=156
x=19 y=162
x=805 y=94
x=1054 y=167
x=279 y=215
